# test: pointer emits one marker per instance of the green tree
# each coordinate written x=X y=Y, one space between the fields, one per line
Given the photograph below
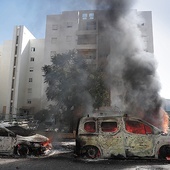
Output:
x=67 y=79
x=70 y=84
x=98 y=89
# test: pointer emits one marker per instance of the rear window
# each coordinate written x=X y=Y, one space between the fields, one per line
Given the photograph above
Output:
x=109 y=126
x=90 y=127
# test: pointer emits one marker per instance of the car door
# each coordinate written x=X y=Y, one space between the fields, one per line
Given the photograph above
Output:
x=139 y=139
x=6 y=141
x=111 y=138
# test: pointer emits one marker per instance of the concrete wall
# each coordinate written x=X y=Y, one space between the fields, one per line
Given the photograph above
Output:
x=147 y=31
x=5 y=60
x=19 y=53
x=34 y=70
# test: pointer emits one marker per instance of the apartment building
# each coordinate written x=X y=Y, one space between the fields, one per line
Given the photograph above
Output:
x=88 y=33
x=22 y=58
x=21 y=75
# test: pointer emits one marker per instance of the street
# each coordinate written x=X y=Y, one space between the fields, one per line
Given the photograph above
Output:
x=66 y=160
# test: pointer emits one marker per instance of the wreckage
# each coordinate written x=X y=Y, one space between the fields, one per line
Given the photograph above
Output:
x=15 y=140
x=121 y=137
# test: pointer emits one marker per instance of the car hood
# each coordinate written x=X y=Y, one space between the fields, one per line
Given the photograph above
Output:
x=33 y=138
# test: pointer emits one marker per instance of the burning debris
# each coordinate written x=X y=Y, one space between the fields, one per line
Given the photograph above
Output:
x=131 y=69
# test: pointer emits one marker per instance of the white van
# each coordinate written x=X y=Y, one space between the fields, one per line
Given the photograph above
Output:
x=120 y=136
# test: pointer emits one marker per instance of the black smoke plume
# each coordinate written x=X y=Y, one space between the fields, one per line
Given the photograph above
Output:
x=131 y=69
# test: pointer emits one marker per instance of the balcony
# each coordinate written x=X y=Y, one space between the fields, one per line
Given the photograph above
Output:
x=83 y=32
x=86 y=46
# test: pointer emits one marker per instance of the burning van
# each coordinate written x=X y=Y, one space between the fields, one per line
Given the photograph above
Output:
x=121 y=137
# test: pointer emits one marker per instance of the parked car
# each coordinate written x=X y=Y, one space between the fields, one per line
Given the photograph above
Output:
x=20 y=141
x=120 y=137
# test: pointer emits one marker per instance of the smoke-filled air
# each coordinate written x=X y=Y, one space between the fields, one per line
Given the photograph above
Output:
x=131 y=69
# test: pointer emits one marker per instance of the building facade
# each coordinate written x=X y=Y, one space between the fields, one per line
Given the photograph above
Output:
x=21 y=63
x=22 y=58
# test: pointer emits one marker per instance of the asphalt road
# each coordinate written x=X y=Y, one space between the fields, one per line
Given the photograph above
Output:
x=64 y=161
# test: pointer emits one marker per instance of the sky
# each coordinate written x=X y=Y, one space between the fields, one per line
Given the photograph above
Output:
x=32 y=14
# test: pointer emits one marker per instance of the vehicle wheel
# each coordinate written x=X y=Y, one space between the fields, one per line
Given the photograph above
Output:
x=22 y=150
x=164 y=153
x=92 y=152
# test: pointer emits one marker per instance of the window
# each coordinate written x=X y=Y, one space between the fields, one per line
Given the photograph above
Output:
x=91 y=15
x=30 y=79
x=20 y=130
x=88 y=54
x=69 y=24
x=31 y=69
x=16 y=49
x=54 y=27
x=54 y=40
x=12 y=95
x=29 y=90
x=84 y=16
x=17 y=38
x=15 y=61
x=29 y=101
x=13 y=72
x=90 y=127
x=13 y=83
x=32 y=59
x=32 y=48
x=91 y=25
x=109 y=126
x=138 y=127
x=86 y=39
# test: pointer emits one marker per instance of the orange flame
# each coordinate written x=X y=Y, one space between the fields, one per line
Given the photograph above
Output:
x=160 y=119
x=165 y=120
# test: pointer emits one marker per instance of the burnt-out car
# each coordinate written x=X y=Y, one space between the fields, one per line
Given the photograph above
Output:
x=16 y=140
x=120 y=137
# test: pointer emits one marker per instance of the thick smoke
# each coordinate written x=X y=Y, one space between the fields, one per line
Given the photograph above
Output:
x=131 y=70
x=114 y=7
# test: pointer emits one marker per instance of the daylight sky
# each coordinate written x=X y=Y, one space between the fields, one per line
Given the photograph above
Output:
x=32 y=14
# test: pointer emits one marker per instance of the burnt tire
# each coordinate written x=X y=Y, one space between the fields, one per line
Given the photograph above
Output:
x=22 y=150
x=92 y=152
x=164 y=152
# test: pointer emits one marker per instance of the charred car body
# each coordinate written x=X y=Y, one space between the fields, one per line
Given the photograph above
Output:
x=15 y=140
x=120 y=137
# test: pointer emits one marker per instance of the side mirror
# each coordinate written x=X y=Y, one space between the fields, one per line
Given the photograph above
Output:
x=164 y=134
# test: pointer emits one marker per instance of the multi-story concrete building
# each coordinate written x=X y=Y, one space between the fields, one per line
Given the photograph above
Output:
x=21 y=63
x=88 y=33
x=22 y=58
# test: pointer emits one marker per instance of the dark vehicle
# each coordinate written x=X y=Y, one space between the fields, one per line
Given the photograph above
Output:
x=20 y=141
